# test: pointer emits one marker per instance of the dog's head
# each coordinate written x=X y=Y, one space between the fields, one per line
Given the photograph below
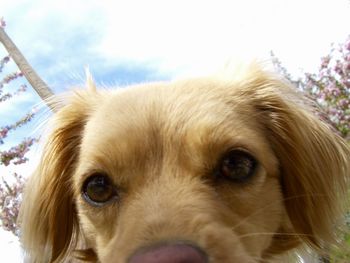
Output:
x=207 y=170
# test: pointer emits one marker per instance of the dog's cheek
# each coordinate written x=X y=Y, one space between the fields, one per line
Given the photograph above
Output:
x=97 y=223
x=256 y=209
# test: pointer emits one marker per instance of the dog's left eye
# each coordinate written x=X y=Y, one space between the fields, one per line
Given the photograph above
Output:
x=98 y=190
x=237 y=166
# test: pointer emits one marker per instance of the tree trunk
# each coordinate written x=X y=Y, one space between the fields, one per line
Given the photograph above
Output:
x=33 y=78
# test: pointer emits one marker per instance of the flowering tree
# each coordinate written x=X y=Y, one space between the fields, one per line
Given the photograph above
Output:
x=10 y=199
x=330 y=88
x=10 y=193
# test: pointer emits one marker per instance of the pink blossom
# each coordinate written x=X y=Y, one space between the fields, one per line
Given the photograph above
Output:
x=338 y=68
x=17 y=153
x=346 y=84
x=3 y=62
x=346 y=66
x=10 y=77
x=11 y=195
x=347 y=45
x=330 y=87
x=2 y=22
x=344 y=103
x=325 y=61
x=10 y=199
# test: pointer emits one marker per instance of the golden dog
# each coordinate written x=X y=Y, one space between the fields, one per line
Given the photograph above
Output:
x=215 y=169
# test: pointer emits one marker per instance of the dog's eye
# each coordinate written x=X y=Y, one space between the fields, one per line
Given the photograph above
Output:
x=98 y=190
x=237 y=166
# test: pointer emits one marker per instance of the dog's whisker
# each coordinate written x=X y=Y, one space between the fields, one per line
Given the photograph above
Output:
x=262 y=209
x=274 y=234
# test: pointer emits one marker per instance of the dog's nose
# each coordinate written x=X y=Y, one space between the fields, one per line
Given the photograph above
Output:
x=176 y=253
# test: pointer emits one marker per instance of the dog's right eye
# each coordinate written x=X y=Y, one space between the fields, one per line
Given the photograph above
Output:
x=99 y=190
x=237 y=166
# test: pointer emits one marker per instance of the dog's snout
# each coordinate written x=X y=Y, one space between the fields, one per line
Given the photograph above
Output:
x=176 y=253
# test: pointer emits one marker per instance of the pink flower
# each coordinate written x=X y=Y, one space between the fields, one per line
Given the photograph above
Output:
x=10 y=199
x=346 y=66
x=338 y=68
x=344 y=103
x=347 y=57
x=2 y=22
x=325 y=61
x=347 y=45
x=346 y=83
x=5 y=59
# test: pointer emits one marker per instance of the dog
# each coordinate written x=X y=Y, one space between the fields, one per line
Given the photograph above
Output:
x=228 y=168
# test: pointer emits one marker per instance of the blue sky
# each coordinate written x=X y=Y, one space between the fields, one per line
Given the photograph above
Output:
x=125 y=42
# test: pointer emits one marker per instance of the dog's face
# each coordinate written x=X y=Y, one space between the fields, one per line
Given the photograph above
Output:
x=205 y=170
x=177 y=163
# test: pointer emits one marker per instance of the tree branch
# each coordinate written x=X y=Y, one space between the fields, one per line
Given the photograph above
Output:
x=33 y=78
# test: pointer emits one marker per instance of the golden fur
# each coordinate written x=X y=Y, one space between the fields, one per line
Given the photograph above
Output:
x=159 y=144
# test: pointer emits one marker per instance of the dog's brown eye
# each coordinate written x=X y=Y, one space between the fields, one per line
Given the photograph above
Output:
x=98 y=190
x=238 y=166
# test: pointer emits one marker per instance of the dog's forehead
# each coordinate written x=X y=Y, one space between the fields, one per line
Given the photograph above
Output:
x=167 y=108
x=186 y=116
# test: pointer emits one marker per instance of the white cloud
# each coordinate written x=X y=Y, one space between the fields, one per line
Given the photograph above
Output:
x=204 y=34
x=183 y=36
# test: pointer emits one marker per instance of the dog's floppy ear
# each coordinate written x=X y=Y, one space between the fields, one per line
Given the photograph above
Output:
x=314 y=161
x=48 y=216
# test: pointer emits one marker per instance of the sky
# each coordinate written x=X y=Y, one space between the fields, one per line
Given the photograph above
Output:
x=125 y=42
